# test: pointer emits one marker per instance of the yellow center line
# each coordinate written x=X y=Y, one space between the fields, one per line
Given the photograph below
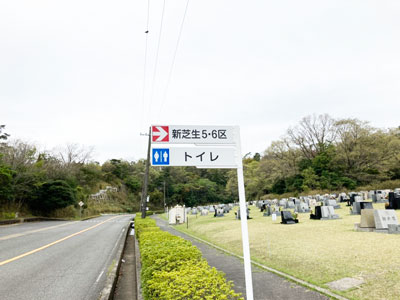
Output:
x=53 y=243
x=33 y=231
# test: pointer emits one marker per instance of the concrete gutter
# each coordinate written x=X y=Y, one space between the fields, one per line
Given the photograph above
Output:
x=138 y=270
x=108 y=291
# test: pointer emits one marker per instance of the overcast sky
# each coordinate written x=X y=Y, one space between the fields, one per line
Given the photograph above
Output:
x=73 y=71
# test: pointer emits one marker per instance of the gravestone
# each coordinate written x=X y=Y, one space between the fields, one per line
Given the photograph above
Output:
x=379 y=198
x=324 y=212
x=342 y=197
x=356 y=210
x=287 y=218
x=290 y=204
x=385 y=217
x=332 y=214
x=304 y=208
x=394 y=201
x=332 y=203
x=351 y=199
x=267 y=211
x=312 y=202
x=370 y=193
x=204 y=212
x=366 y=205
x=374 y=198
x=219 y=213
x=226 y=209
x=237 y=214
x=328 y=213
x=393 y=229
x=211 y=209
x=367 y=218
x=317 y=215
x=358 y=205
x=194 y=211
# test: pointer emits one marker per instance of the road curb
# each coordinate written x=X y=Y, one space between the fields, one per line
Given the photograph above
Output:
x=108 y=291
x=91 y=217
x=138 y=269
x=33 y=219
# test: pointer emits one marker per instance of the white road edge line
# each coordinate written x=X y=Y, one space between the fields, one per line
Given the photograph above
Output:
x=98 y=278
x=111 y=252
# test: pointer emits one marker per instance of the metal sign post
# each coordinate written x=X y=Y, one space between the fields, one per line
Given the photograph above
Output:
x=219 y=147
x=243 y=219
x=80 y=209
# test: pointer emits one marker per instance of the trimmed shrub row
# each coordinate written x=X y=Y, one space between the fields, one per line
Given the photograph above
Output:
x=173 y=269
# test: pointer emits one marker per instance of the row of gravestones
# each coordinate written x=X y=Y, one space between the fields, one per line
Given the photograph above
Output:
x=321 y=213
x=302 y=205
x=374 y=195
x=379 y=220
x=294 y=203
x=218 y=210
x=324 y=213
x=357 y=206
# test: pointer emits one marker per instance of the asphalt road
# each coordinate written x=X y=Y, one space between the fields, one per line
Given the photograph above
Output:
x=57 y=259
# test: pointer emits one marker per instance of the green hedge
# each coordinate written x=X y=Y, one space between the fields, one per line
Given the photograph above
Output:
x=173 y=269
x=152 y=212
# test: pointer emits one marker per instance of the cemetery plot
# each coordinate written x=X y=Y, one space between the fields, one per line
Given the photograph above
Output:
x=318 y=252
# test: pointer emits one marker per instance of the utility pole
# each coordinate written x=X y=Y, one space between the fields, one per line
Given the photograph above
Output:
x=146 y=179
x=164 y=196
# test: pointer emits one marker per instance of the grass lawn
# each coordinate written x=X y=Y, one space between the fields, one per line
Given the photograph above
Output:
x=313 y=250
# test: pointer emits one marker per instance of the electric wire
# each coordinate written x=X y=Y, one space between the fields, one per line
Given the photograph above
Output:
x=173 y=60
x=145 y=65
x=156 y=59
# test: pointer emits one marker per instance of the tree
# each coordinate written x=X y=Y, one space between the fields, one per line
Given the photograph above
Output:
x=6 y=175
x=313 y=134
x=53 y=194
x=3 y=135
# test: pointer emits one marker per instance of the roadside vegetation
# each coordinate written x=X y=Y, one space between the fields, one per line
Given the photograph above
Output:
x=173 y=269
x=51 y=184
x=318 y=155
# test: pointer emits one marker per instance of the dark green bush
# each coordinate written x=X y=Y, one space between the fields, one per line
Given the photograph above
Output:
x=52 y=195
x=173 y=269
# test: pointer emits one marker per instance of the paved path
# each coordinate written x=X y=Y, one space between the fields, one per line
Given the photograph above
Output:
x=266 y=285
x=59 y=259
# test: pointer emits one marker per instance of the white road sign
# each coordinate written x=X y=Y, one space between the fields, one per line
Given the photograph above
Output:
x=192 y=134
x=222 y=157
x=219 y=148
x=81 y=203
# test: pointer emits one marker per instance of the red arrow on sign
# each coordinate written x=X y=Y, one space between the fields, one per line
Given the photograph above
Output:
x=160 y=134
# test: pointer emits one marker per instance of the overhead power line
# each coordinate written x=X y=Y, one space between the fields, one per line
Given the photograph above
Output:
x=156 y=59
x=145 y=65
x=173 y=60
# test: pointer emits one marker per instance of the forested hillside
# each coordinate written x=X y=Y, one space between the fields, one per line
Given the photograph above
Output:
x=320 y=153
